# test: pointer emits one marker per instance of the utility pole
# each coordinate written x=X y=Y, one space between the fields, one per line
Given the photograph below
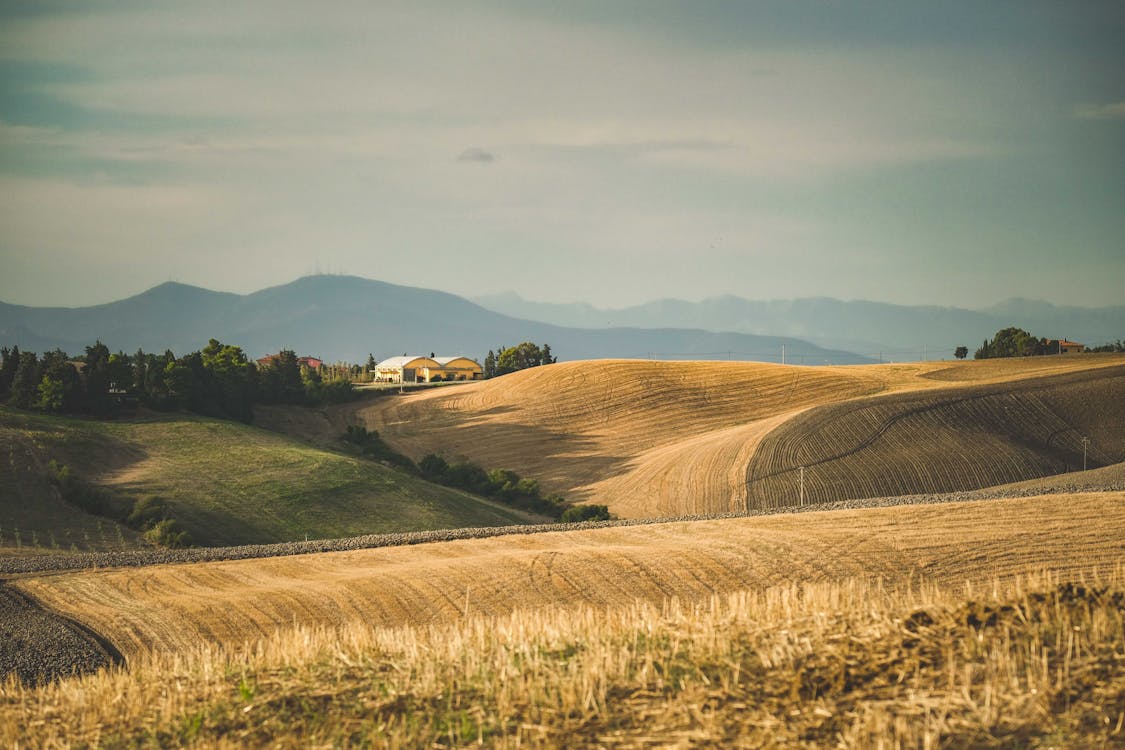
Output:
x=802 y=485
x=1085 y=442
x=783 y=354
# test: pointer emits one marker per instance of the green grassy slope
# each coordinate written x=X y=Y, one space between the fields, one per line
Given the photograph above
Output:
x=226 y=483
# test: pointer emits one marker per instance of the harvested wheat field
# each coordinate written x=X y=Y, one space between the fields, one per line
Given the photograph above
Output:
x=676 y=438
x=177 y=607
x=1030 y=662
x=942 y=440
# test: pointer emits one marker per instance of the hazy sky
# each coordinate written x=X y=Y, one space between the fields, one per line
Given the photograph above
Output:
x=612 y=152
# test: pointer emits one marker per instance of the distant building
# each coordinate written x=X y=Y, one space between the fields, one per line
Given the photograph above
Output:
x=415 y=369
x=310 y=362
x=1056 y=346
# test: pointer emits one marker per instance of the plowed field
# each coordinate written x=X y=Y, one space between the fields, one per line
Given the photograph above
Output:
x=174 y=607
x=940 y=441
x=674 y=438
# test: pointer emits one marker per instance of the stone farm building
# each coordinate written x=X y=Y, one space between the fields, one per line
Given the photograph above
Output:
x=413 y=369
x=1056 y=346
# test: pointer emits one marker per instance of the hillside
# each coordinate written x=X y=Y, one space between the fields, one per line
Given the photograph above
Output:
x=161 y=608
x=657 y=438
x=345 y=317
x=224 y=482
x=942 y=440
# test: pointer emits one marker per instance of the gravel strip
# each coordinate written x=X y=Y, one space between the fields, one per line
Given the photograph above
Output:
x=138 y=558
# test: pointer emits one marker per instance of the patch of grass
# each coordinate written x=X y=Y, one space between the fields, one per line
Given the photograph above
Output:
x=230 y=483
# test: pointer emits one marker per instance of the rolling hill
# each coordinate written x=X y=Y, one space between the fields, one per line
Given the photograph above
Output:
x=943 y=440
x=225 y=483
x=660 y=438
x=346 y=318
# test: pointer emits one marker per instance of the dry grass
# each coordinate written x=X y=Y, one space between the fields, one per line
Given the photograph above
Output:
x=175 y=607
x=855 y=664
x=646 y=438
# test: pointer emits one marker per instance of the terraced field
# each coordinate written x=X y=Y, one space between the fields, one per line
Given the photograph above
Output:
x=177 y=607
x=676 y=438
x=944 y=440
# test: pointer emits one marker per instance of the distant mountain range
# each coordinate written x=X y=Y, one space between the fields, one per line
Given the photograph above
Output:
x=874 y=329
x=345 y=318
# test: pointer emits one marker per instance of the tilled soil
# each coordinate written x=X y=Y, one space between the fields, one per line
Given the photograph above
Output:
x=40 y=646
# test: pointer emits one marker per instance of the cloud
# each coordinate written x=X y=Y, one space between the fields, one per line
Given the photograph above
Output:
x=1111 y=111
x=477 y=155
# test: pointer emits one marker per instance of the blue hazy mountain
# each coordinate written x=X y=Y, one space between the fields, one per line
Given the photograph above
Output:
x=346 y=317
x=895 y=332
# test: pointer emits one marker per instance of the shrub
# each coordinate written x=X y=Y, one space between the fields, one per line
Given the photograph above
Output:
x=371 y=445
x=146 y=513
x=578 y=513
x=433 y=467
x=167 y=533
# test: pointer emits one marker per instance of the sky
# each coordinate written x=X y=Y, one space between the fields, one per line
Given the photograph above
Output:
x=952 y=153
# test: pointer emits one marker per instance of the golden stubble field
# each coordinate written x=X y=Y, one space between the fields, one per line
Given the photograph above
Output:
x=177 y=607
x=679 y=438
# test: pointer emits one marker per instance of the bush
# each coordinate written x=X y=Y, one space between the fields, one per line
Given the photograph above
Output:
x=433 y=467
x=146 y=513
x=579 y=513
x=167 y=533
x=371 y=445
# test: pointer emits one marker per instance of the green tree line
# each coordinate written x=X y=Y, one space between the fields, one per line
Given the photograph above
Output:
x=508 y=359
x=218 y=380
x=1016 y=342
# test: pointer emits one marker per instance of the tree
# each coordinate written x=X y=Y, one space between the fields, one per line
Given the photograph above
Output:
x=96 y=377
x=370 y=367
x=9 y=363
x=25 y=382
x=60 y=388
x=140 y=372
x=1012 y=342
x=228 y=380
x=522 y=357
x=490 y=365
x=961 y=352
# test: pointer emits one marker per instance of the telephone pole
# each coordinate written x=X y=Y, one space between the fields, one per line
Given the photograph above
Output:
x=783 y=354
x=1085 y=442
x=802 y=485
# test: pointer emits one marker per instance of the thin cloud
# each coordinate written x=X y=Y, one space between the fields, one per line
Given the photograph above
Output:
x=477 y=156
x=1111 y=111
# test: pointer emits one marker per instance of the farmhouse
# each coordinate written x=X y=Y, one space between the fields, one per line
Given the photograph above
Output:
x=414 y=369
x=1057 y=346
